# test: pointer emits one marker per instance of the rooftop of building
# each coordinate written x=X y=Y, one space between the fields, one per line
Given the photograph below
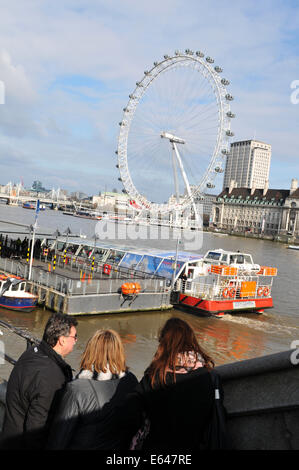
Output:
x=271 y=195
x=249 y=142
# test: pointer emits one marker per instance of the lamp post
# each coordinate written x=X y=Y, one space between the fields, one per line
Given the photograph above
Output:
x=33 y=238
x=175 y=262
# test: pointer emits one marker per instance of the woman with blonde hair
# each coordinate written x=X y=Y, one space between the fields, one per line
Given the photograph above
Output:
x=88 y=414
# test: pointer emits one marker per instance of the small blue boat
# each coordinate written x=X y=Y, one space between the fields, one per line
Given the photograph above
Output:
x=28 y=205
x=13 y=294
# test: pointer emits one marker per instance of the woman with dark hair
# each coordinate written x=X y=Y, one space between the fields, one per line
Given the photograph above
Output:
x=88 y=415
x=176 y=391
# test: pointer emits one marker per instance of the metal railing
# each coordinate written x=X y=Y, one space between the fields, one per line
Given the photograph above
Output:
x=28 y=337
x=87 y=285
x=229 y=289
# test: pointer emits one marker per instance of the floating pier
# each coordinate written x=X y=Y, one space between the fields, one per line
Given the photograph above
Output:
x=81 y=293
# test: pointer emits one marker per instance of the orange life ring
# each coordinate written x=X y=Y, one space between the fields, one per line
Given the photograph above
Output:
x=107 y=268
x=260 y=291
x=129 y=288
x=232 y=292
x=225 y=292
x=266 y=291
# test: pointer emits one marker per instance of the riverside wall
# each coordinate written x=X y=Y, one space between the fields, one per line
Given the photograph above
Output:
x=261 y=396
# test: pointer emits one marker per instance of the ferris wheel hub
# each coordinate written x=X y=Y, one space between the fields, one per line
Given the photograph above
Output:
x=172 y=138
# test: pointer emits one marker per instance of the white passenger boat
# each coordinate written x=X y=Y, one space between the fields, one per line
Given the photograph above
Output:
x=216 y=283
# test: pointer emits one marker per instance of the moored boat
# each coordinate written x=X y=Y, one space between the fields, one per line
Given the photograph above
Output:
x=225 y=282
x=28 y=205
x=13 y=294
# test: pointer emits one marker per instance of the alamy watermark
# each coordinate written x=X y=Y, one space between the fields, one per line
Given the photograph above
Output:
x=295 y=354
x=295 y=94
x=180 y=225
x=2 y=92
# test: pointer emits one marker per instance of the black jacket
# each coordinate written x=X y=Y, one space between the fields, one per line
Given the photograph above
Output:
x=92 y=415
x=32 y=392
x=178 y=412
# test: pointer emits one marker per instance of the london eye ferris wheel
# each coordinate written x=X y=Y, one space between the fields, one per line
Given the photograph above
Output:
x=175 y=131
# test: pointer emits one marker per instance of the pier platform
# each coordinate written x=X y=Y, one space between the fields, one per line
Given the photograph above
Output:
x=78 y=292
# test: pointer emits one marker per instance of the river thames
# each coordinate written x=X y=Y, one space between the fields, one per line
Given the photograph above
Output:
x=227 y=339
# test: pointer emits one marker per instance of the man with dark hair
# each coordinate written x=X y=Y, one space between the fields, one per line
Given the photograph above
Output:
x=35 y=384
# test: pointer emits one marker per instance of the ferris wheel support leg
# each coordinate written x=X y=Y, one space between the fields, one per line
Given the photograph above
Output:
x=175 y=174
x=185 y=181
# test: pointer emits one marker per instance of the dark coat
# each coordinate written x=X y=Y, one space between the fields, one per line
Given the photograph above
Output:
x=32 y=391
x=92 y=415
x=178 y=412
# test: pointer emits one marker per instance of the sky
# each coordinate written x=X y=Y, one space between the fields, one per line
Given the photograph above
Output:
x=68 y=67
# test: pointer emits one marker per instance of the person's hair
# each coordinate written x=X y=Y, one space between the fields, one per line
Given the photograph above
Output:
x=176 y=337
x=58 y=324
x=104 y=350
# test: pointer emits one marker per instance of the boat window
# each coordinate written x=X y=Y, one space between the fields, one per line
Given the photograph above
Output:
x=22 y=286
x=60 y=246
x=213 y=255
x=115 y=256
x=224 y=258
x=247 y=259
x=85 y=252
x=14 y=287
x=99 y=253
x=237 y=259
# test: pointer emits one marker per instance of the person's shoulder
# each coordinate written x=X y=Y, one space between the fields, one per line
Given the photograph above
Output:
x=129 y=376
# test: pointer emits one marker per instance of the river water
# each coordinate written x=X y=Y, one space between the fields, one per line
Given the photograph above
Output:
x=228 y=339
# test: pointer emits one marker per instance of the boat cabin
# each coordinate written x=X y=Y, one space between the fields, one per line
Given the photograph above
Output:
x=13 y=288
x=227 y=257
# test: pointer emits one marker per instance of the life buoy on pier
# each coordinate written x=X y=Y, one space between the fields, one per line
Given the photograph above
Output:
x=130 y=288
x=107 y=268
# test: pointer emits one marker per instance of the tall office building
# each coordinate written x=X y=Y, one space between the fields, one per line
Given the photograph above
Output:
x=248 y=164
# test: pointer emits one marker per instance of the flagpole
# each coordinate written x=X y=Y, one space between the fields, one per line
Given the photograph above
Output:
x=33 y=239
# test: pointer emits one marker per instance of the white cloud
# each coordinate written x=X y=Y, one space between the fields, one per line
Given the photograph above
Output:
x=76 y=127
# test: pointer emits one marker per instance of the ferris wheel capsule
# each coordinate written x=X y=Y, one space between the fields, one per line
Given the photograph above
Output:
x=218 y=169
x=229 y=97
x=209 y=60
x=200 y=54
x=218 y=69
x=230 y=114
x=229 y=133
x=224 y=82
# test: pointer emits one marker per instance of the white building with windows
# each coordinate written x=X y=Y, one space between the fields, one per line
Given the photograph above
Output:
x=248 y=164
x=268 y=211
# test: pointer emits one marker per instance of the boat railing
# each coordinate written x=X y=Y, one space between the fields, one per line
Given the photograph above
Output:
x=87 y=281
x=79 y=264
x=227 y=287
